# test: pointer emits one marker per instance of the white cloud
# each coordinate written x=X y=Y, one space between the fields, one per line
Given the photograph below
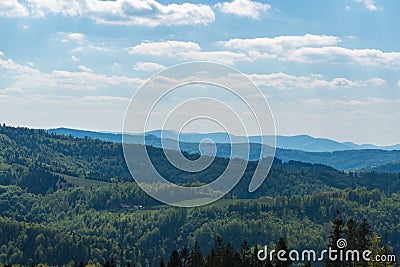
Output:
x=1 y=54
x=39 y=8
x=313 y=102
x=24 y=78
x=375 y=82
x=243 y=8
x=368 y=4
x=103 y=98
x=224 y=57
x=119 y=12
x=14 y=68
x=168 y=48
x=352 y=102
x=310 y=49
x=148 y=66
x=284 y=81
x=23 y=26
x=81 y=40
x=398 y=83
x=365 y=102
x=76 y=36
x=186 y=51
x=88 y=46
x=74 y=58
x=336 y=54
x=280 y=43
x=277 y=46
x=12 y=9
x=84 y=68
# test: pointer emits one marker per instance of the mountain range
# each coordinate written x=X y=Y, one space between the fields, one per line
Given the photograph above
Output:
x=297 y=142
x=342 y=156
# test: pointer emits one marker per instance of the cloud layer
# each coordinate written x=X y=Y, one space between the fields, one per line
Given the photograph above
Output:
x=243 y=8
x=119 y=12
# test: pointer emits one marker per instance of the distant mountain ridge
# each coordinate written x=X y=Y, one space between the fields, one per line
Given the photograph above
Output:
x=345 y=159
x=297 y=142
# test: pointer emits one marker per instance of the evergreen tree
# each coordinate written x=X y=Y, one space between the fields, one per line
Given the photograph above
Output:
x=184 y=255
x=351 y=238
x=211 y=259
x=363 y=235
x=336 y=234
x=281 y=245
x=245 y=256
x=196 y=257
x=229 y=258
x=364 y=239
x=174 y=259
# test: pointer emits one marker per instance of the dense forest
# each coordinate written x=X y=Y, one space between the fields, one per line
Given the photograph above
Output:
x=66 y=200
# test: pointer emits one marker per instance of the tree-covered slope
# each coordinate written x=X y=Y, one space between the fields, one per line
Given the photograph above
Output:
x=90 y=225
x=94 y=222
x=26 y=151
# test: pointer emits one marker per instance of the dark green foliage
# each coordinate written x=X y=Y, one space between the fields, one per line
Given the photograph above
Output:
x=245 y=255
x=84 y=223
x=40 y=224
x=282 y=246
x=24 y=151
x=174 y=259
x=196 y=257
x=184 y=256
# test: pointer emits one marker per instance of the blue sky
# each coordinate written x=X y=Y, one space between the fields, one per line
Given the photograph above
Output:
x=328 y=68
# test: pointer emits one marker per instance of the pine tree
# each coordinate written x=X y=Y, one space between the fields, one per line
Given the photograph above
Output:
x=363 y=235
x=257 y=262
x=196 y=257
x=336 y=234
x=185 y=256
x=218 y=247
x=281 y=245
x=174 y=259
x=229 y=257
x=211 y=259
x=351 y=238
x=245 y=256
x=363 y=239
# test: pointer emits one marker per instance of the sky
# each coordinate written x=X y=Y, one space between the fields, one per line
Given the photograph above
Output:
x=327 y=68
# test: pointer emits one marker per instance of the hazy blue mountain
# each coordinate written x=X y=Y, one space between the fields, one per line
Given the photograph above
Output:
x=310 y=144
x=298 y=142
x=355 y=157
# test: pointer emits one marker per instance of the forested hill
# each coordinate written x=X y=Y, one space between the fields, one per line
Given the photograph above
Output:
x=393 y=167
x=65 y=200
x=31 y=157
